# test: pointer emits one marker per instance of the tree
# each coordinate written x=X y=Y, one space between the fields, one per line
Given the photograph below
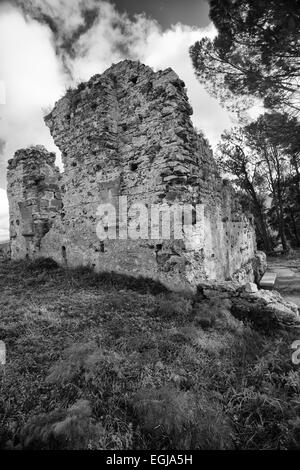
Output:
x=260 y=156
x=260 y=137
x=284 y=133
x=276 y=136
x=291 y=210
x=256 y=53
x=237 y=159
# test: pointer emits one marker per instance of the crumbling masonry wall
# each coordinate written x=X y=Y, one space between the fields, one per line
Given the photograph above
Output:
x=34 y=199
x=128 y=132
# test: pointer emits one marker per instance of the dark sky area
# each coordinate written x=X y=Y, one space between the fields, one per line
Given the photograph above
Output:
x=168 y=12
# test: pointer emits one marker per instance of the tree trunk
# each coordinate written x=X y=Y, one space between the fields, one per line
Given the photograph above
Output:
x=259 y=216
x=262 y=227
x=295 y=163
x=295 y=228
x=281 y=224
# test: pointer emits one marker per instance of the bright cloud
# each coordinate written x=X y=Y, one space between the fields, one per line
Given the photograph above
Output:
x=4 y=236
x=33 y=80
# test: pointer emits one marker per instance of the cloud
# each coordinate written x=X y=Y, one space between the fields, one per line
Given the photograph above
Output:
x=33 y=79
x=67 y=20
x=2 y=146
x=4 y=234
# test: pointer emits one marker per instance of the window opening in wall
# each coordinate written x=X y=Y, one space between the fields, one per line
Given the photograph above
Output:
x=64 y=254
x=134 y=80
x=133 y=166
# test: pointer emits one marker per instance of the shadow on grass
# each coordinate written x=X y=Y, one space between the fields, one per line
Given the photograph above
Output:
x=85 y=276
x=141 y=284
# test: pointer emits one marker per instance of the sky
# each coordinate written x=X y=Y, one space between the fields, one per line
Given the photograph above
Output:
x=48 y=45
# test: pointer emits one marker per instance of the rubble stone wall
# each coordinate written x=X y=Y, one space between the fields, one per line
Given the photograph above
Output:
x=128 y=133
x=34 y=199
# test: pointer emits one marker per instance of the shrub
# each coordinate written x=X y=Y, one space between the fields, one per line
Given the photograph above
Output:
x=172 y=306
x=84 y=363
x=175 y=419
x=60 y=429
x=215 y=313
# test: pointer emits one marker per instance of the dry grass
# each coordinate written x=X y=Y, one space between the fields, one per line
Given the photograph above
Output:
x=112 y=362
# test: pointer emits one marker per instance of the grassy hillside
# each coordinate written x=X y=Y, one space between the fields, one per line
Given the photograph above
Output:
x=111 y=362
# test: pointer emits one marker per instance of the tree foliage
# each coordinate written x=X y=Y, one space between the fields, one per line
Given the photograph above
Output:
x=261 y=157
x=237 y=159
x=255 y=53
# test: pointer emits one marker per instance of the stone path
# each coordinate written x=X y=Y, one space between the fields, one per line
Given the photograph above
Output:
x=288 y=276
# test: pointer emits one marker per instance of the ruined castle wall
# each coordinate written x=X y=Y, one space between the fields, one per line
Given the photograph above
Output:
x=128 y=133
x=34 y=199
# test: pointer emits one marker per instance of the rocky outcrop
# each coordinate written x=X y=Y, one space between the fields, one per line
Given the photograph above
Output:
x=266 y=310
x=259 y=265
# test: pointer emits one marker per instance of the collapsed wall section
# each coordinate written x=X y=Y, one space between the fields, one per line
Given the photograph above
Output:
x=34 y=199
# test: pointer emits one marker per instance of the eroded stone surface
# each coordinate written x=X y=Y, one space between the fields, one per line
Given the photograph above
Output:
x=34 y=199
x=265 y=309
x=128 y=133
x=251 y=287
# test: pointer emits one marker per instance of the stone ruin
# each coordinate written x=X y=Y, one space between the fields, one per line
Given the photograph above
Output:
x=34 y=199
x=128 y=133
